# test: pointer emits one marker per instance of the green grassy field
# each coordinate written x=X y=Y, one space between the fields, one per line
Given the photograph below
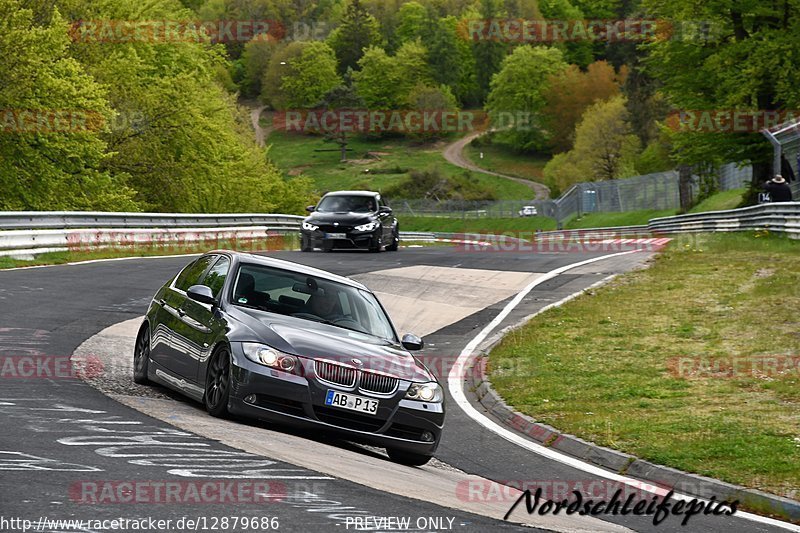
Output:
x=629 y=218
x=298 y=154
x=720 y=201
x=656 y=362
x=475 y=225
x=499 y=158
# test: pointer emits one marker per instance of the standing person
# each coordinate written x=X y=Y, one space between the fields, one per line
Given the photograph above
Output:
x=778 y=190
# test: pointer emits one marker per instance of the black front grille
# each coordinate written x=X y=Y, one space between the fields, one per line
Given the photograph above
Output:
x=335 y=373
x=281 y=405
x=377 y=383
x=405 y=432
x=335 y=229
x=348 y=420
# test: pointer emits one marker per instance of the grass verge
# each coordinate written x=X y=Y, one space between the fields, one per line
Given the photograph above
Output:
x=629 y=218
x=720 y=201
x=663 y=363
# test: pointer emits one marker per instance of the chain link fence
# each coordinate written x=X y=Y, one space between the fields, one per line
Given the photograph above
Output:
x=657 y=191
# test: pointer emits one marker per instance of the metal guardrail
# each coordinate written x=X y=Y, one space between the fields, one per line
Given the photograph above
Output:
x=26 y=234
x=783 y=217
x=10 y=220
x=30 y=233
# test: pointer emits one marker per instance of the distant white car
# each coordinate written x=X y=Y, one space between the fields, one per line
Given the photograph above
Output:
x=528 y=211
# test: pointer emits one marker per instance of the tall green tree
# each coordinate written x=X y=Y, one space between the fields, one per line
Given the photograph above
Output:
x=411 y=21
x=359 y=30
x=578 y=52
x=178 y=137
x=255 y=60
x=385 y=82
x=744 y=56
x=441 y=41
x=489 y=53
x=299 y=75
x=570 y=93
x=47 y=162
x=341 y=97
x=517 y=96
x=605 y=147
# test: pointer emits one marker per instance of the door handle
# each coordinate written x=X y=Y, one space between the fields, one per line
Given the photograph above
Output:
x=162 y=302
x=181 y=312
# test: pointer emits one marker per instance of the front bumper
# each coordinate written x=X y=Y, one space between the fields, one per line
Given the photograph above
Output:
x=299 y=401
x=351 y=239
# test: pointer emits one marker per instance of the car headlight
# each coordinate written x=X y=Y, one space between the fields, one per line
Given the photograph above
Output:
x=425 y=392
x=309 y=227
x=368 y=226
x=267 y=356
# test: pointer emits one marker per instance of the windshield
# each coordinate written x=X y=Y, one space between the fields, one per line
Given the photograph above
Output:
x=347 y=204
x=311 y=298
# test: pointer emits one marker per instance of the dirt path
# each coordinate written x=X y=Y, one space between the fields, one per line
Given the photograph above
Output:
x=454 y=153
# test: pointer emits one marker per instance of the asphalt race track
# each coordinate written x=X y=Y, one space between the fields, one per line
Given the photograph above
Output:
x=62 y=438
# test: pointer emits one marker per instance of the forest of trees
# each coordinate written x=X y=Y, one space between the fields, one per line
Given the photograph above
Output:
x=172 y=137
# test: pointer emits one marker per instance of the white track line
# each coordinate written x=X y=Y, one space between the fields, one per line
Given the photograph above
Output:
x=455 y=384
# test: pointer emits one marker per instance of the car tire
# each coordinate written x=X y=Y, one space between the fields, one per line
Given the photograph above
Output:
x=141 y=356
x=408 y=458
x=218 y=384
x=377 y=243
x=395 y=240
x=305 y=245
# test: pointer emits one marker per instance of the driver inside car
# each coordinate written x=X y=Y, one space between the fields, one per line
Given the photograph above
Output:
x=324 y=304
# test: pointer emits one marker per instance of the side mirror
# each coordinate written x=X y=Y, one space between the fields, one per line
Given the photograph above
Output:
x=385 y=209
x=310 y=208
x=202 y=294
x=412 y=342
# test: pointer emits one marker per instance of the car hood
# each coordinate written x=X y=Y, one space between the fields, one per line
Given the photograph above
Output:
x=342 y=218
x=314 y=340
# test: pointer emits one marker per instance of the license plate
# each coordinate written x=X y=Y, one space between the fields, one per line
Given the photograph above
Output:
x=336 y=235
x=352 y=402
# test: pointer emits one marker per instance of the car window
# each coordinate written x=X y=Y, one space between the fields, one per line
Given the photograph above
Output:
x=311 y=298
x=193 y=273
x=215 y=278
x=347 y=204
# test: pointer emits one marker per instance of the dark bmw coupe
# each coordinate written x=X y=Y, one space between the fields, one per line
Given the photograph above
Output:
x=283 y=342
x=350 y=219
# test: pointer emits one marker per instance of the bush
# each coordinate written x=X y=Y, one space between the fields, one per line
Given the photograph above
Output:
x=433 y=185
